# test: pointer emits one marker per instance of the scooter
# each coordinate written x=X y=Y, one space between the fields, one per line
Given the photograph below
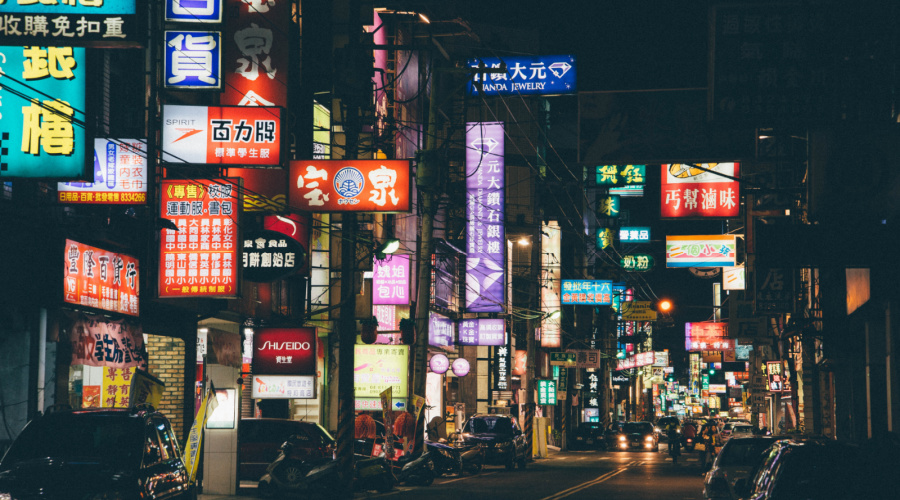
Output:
x=415 y=470
x=472 y=457
x=689 y=444
x=446 y=458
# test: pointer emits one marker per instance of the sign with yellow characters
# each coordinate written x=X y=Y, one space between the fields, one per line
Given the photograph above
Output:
x=115 y=391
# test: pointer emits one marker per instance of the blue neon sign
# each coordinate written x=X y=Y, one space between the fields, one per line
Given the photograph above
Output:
x=542 y=75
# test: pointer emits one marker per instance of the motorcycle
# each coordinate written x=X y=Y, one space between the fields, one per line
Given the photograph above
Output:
x=675 y=449
x=689 y=444
x=290 y=474
x=457 y=459
x=415 y=470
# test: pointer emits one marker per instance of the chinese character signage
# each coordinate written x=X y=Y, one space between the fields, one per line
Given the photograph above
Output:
x=270 y=255
x=440 y=330
x=221 y=135
x=541 y=75
x=688 y=191
x=255 y=64
x=102 y=279
x=350 y=186
x=193 y=60
x=485 y=231
x=605 y=237
x=71 y=23
x=587 y=358
x=546 y=392
x=390 y=280
x=100 y=341
x=707 y=337
x=774 y=289
x=194 y=11
x=502 y=368
x=629 y=234
x=717 y=250
x=116 y=387
x=120 y=175
x=39 y=137
x=378 y=367
x=587 y=292
x=734 y=278
x=284 y=351
x=482 y=332
x=775 y=378
x=200 y=258
x=609 y=206
x=638 y=360
x=283 y=387
x=636 y=262
x=562 y=359
x=621 y=175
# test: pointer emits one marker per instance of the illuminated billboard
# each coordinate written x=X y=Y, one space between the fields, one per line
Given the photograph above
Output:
x=194 y=11
x=101 y=279
x=390 y=280
x=484 y=331
x=378 y=367
x=700 y=190
x=537 y=75
x=350 y=185
x=587 y=292
x=716 y=250
x=120 y=175
x=193 y=60
x=255 y=62
x=72 y=23
x=42 y=134
x=199 y=258
x=218 y=135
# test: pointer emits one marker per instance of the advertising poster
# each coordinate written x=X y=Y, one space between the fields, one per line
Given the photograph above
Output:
x=98 y=341
x=90 y=396
x=378 y=367
x=702 y=190
x=116 y=388
x=485 y=233
x=199 y=259
x=120 y=175
x=283 y=387
x=219 y=135
x=101 y=279
x=39 y=135
x=255 y=64
x=350 y=186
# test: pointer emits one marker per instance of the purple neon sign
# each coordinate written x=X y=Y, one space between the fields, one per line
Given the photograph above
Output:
x=485 y=233
x=482 y=332
x=390 y=281
x=440 y=330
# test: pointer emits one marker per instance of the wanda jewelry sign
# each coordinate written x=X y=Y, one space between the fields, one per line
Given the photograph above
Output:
x=198 y=258
x=284 y=351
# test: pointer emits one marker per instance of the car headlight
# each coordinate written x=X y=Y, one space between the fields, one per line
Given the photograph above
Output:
x=621 y=438
x=648 y=438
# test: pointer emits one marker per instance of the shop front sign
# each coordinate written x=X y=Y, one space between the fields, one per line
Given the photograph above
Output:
x=587 y=292
x=101 y=279
x=689 y=191
x=267 y=256
x=120 y=175
x=256 y=47
x=85 y=23
x=350 y=186
x=621 y=175
x=390 y=280
x=536 y=75
x=376 y=368
x=221 y=135
x=283 y=387
x=716 y=250
x=284 y=351
x=546 y=392
x=484 y=331
x=440 y=330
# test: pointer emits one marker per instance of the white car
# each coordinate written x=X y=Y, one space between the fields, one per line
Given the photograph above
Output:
x=738 y=458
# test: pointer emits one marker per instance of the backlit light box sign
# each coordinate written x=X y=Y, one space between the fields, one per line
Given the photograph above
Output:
x=390 y=280
x=540 y=75
x=689 y=191
x=440 y=330
x=485 y=229
x=120 y=175
x=621 y=175
x=378 y=367
x=486 y=331
x=283 y=387
x=70 y=22
x=38 y=134
x=284 y=351
x=221 y=135
x=255 y=63
x=638 y=360
x=267 y=256
x=194 y=11
x=632 y=234
x=350 y=185
x=101 y=279
x=717 y=250
x=193 y=60
x=200 y=258
x=587 y=292
x=546 y=392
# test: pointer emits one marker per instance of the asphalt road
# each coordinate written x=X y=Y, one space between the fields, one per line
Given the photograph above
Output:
x=573 y=475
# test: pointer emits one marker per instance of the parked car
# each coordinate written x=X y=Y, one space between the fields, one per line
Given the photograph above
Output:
x=637 y=436
x=260 y=440
x=587 y=435
x=816 y=469
x=96 y=453
x=736 y=461
x=611 y=434
x=728 y=427
x=501 y=436
x=741 y=430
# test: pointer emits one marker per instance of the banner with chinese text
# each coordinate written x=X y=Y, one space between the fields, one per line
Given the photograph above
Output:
x=99 y=341
x=689 y=191
x=350 y=186
x=484 y=331
x=199 y=259
x=102 y=279
x=255 y=65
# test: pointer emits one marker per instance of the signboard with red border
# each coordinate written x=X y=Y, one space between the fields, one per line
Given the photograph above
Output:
x=102 y=279
x=697 y=190
x=200 y=258
x=219 y=135
x=350 y=185
x=284 y=351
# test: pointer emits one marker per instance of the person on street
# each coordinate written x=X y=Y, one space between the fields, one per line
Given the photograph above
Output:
x=709 y=436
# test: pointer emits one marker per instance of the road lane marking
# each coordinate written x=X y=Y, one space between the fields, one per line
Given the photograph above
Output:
x=587 y=484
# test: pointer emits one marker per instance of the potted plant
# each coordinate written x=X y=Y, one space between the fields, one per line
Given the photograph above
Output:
x=369 y=330
x=407 y=331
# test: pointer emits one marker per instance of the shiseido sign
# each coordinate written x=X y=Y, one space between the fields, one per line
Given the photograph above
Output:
x=284 y=351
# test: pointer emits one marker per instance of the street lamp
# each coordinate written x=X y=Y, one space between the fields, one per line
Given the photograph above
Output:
x=388 y=247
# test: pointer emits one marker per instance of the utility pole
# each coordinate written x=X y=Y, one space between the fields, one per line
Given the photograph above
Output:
x=534 y=320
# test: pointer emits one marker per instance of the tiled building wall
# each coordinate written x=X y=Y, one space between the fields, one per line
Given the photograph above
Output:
x=167 y=363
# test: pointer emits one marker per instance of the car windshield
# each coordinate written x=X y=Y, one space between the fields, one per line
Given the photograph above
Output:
x=637 y=428
x=488 y=426
x=746 y=429
x=101 y=437
x=744 y=452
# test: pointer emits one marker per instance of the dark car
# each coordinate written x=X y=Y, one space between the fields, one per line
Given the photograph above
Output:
x=588 y=435
x=260 y=440
x=814 y=469
x=738 y=458
x=96 y=453
x=637 y=436
x=501 y=437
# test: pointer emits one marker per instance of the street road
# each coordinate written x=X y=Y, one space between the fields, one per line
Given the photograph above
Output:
x=574 y=475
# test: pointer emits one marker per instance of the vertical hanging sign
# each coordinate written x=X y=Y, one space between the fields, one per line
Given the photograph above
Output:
x=255 y=65
x=390 y=281
x=551 y=287
x=199 y=258
x=485 y=233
